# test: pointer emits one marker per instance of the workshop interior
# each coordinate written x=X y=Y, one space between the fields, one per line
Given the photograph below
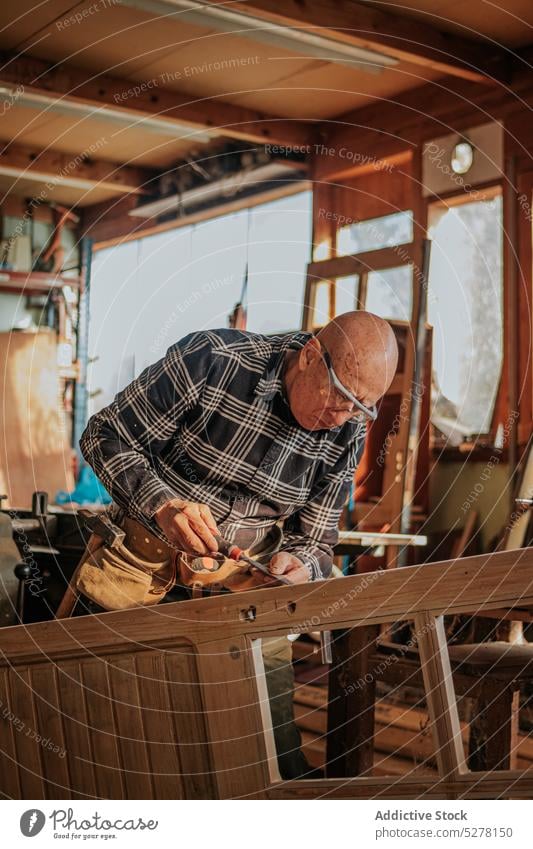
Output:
x=253 y=170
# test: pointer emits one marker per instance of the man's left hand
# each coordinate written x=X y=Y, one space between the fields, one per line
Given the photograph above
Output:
x=290 y=567
x=282 y=563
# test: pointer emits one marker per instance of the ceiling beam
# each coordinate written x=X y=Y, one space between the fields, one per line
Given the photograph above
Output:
x=62 y=83
x=403 y=38
x=73 y=170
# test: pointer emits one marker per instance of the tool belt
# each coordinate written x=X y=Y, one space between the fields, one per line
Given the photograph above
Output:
x=142 y=569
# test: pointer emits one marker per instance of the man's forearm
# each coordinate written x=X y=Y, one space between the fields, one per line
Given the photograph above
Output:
x=126 y=473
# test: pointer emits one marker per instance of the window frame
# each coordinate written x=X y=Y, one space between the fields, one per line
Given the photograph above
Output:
x=360 y=264
x=483 y=445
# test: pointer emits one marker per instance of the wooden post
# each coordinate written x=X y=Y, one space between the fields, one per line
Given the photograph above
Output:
x=352 y=694
x=440 y=695
x=494 y=728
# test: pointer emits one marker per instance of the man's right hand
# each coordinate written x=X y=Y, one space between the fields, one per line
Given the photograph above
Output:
x=188 y=525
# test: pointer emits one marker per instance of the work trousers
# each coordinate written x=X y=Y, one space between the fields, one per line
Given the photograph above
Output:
x=277 y=659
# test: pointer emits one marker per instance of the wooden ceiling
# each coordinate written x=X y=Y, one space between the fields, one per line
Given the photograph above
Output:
x=508 y=23
x=68 y=72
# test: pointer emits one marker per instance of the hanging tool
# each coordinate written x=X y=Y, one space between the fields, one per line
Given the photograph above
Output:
x=238 y=316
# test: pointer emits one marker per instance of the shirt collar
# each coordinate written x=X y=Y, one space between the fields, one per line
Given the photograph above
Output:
x=271 y=381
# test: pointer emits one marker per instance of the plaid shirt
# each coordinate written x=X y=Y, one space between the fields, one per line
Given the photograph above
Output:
x=210 y=423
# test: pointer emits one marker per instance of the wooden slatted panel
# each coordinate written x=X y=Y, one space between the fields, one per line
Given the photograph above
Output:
x=233 y=715
x=130 y=730
x=190 y=724
x=77 y=733
x=102 y=729
x=9 y=782
x=28 y=753
x=158 y=722
x=50 y=728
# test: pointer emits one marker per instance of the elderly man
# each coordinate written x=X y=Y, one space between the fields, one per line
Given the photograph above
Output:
x=232 y=433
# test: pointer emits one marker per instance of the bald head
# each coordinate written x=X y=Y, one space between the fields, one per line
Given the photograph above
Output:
x=364 y=356
x=364 y=352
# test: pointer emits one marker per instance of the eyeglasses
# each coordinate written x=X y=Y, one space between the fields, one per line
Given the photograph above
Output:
x=368 y=412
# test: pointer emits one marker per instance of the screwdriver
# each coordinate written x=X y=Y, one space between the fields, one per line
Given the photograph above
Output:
x=229 y=549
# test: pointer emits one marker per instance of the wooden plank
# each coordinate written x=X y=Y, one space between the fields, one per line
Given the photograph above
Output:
x=461 y=545
x=131 y=737
x=157 y=718
x=404 y=38
x=419 y=379
x=54 y=81
x=11 y=787
x=484 y=582
x=77 y=731
x=264 y=708
x=233 y=718
x=440 y=694
x=35 y=452
x=102 y=729
x=49 y=724
x=28 y=752
x=474 y=785
x=30 y=162
x=191 y=733
x=374 y=538
x=351 y=264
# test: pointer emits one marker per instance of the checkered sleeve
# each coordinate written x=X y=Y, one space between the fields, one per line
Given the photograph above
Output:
x=124 y=440
x=311 y=532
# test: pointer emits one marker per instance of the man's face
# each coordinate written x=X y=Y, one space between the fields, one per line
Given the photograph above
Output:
x=314 y=401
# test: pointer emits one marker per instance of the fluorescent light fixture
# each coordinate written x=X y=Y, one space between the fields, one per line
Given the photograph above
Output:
x=123 y=118
x=55 y=181
x=225 y=188
x=294 y=39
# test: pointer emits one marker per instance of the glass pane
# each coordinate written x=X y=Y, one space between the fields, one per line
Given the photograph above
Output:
x=321 y=310
x=346 y=291
x=278 y=252
x=466 y=309
x=389 y=292
x=384 y=232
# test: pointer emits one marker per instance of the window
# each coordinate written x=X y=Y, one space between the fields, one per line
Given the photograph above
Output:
x=389 y=292
x=148 y=293
x=346 y=293
x=375 y=233
x=465 y=306
x=372 y=271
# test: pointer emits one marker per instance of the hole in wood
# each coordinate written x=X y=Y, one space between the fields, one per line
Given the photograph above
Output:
x=291 y=607
x=249 y=614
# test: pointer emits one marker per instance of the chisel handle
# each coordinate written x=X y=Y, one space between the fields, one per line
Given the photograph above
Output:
x=233 y=551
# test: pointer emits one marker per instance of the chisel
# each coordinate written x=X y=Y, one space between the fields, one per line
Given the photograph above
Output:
x=233 y=551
